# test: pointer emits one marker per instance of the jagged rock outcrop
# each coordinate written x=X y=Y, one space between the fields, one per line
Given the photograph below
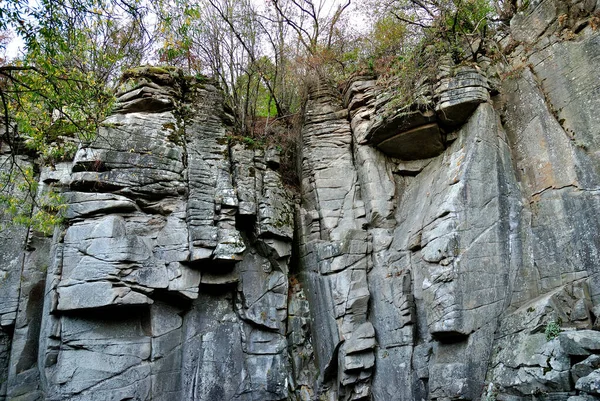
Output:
x=334 y=250
x=445 y=250
x=169 y=279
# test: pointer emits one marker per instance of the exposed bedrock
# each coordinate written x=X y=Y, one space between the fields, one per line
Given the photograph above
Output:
x=417 y=130
x=442 y=251
x=335 y=250
x=435 y=300
x=169 y=279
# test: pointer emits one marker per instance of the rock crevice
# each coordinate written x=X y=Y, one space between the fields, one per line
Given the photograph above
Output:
x=443 y=251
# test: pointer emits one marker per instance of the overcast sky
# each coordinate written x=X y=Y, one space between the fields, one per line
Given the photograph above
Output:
x=357 y=20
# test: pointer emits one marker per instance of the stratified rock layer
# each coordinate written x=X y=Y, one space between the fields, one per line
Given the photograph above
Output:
x=441 y=251
x=334 y=250
x=158 y=287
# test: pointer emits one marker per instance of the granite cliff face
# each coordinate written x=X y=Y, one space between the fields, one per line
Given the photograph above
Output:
x=446 y=254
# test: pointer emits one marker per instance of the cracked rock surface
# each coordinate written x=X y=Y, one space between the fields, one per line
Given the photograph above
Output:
x=440 y=253
x=169 y=278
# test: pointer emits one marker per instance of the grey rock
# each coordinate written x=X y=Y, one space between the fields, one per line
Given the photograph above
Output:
x=585 y=367
x=459 y=95
x=410 y=133
x=119 y=317
x=124 y=159
x=275 y=211
x=244 y=178
x=582 y=398
x=146 y=98
x=411 y=168
x=183 y=279
x=153 y=104
x=273 y=158
x=581 y=342
x=230 y=245
x=97 y=294
x=212 y=201
x=83 y=204
x=383 y=129
x=589 y=384
x=335 y=250
x=363 y=338
x=422 y=142
x=176 y=275
x=164 y=319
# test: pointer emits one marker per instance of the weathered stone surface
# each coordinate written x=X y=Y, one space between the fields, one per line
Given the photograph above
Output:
x=244 y=178
x=432 y=302
x=12 y=241
x=525 y=357
x=143 y=158
x=459 y=95
x=589 y=384
x=375 y=176
x=586 y=397
x=580 y=343
x=83 y=204
x=403 y=121
x=469 y=273
x=302 y=357
x=335 y=250
x=585 y=367
x=210 y=183
x=148 y=262
x=275 y=212
x=422 y=142
x=413 y=132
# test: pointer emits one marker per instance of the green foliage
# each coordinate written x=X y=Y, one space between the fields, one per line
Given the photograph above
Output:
x=48 y=101
x=248 y=141
x=552 y=329
x=468 y=16
x=410 y=40
x=55 y=94
x=251 y=142
x=389 y=36
x=62 y=85
x=253 y=98
x=22 y=204
x=265 y=106
x=406 y=30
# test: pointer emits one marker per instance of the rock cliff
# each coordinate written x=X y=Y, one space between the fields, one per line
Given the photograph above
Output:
x=447 y=252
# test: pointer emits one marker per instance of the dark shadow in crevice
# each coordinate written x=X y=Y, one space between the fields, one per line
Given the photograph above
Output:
x=94 y=166
x=449 y=337
x=94 y=186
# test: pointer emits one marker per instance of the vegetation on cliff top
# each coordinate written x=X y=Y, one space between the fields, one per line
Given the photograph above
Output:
x=55 y=93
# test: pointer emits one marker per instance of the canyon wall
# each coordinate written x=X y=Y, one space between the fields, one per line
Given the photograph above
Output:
x=446 y=252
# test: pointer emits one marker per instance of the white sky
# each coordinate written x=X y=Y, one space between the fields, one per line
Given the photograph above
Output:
x=14 y=48
x=358 y=22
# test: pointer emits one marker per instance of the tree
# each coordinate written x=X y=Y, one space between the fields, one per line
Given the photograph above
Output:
x=310 y=20
x=232 y=40
x=57 y=93
x=459 y=24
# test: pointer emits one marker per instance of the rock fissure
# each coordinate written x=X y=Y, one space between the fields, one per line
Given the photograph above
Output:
x=446 y=254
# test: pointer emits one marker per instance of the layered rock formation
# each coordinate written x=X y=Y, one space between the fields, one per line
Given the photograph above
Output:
x=441 y=253
x=170 y=277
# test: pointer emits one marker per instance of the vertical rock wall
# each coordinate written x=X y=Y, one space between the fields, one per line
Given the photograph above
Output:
x=335 y=250
x=169 y=279
x=479 y=222
x=445 y=253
